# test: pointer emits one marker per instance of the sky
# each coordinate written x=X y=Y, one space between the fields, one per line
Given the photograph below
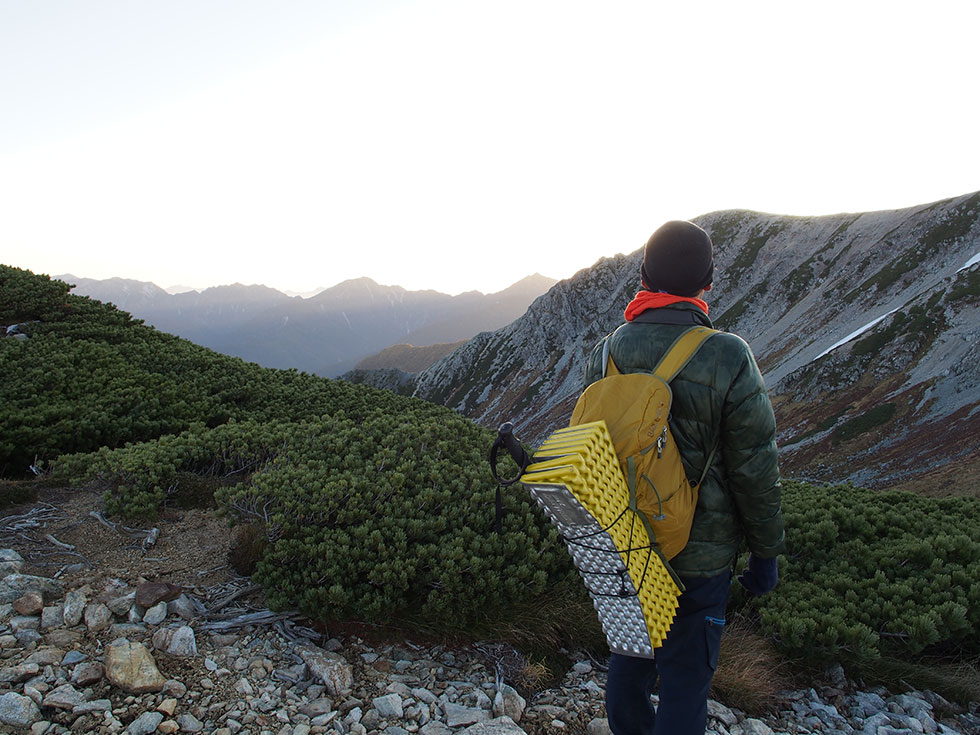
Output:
x=456 y=145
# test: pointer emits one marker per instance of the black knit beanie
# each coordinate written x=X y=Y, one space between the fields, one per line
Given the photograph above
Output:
x=678 y=259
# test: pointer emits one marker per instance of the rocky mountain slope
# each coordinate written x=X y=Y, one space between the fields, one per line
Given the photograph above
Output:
x=324 y=334
x=865 y=325
x=408 y=358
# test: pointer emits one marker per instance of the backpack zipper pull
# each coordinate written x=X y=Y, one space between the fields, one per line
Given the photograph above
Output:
x=661 y=442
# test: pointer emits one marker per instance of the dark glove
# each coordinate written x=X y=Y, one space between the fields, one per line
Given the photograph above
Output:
x=760 y=576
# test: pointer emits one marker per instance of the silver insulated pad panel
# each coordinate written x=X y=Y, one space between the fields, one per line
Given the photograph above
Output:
x=598 y=561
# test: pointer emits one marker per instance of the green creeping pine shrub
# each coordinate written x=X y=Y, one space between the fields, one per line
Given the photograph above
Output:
x=91 y=376
x=139 y=478
x=869 y=573
x=390 y=519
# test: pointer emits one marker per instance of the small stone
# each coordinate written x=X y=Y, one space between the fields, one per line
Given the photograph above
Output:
x=20 y=623
x=317 y=707
x=121 y=605
x=721 y=713
x=333 y=670
x=508 y=702
x=174 y=688
x=582 y=667
x=30 y=603
x=15 y=585
x=189 y=723
x=598 y=726
x=183 y=607
x=19 y=673
x=176 y=641
x=168 y=706
x=389 y=705
x=74 y=606
x=17 y=710
x=156 y=614
x=499 y=726
x=39 y=728
x=96 y=705
x=168 y=727
x=752 y=726
x=52 y=616
x=457 y=715
x=431 y=728
x=131 y=667
x=73 y=657
x=149 y=594
x=124 y=630
x=64 y=697
x=46 y=657
x=11 y=562
x=145 y=724
x=62 y=638
x=97 y=616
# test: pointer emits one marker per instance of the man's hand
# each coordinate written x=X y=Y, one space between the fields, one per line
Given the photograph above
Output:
x=760 y=576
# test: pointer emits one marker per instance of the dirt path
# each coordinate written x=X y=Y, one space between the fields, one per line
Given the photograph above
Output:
x=60 y=536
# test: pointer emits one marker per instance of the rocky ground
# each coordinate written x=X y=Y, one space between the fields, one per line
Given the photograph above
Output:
x=104 y=632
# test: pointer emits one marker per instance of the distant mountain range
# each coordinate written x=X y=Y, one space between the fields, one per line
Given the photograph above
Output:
x=866 y=327
x=326 y=334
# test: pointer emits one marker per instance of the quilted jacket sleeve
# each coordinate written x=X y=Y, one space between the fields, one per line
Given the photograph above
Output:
x=748 y=445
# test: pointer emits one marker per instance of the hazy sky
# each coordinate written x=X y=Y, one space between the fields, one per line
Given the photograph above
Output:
x=457 y=145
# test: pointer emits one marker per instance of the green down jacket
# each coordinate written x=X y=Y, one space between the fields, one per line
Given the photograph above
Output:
x=718 y=397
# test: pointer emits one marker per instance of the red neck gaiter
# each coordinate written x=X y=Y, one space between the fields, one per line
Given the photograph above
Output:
x=649 y=300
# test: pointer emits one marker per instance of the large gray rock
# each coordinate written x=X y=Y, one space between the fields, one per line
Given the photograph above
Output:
x=17 y=710
x=131 y=667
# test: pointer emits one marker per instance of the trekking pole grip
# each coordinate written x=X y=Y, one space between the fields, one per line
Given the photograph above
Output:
x=507 y=440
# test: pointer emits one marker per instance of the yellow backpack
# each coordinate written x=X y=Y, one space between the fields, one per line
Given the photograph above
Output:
x=636 y=409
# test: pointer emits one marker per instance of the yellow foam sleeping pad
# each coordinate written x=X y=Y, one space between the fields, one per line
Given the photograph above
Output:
x=577 y=480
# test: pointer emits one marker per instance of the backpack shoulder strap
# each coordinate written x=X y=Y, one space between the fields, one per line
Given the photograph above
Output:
x=681 y=352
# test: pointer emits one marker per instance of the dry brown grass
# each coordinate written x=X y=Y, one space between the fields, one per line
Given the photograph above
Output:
x=956 y=681
x=750 y=671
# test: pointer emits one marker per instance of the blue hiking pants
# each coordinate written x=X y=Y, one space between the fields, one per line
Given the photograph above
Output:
x=685 y=664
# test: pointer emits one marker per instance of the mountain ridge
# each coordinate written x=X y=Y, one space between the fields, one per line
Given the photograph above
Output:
x=327 y=333
x=793 y=287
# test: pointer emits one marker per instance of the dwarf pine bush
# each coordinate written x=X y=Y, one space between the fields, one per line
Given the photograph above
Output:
x=869 y=573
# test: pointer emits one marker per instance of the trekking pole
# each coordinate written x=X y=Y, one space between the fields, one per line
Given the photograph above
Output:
x=506 y=440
